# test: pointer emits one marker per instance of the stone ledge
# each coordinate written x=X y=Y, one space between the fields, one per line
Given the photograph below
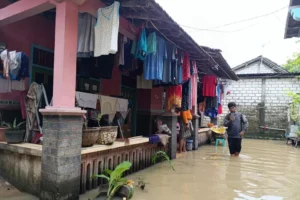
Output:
x=23 y=148
x=36 y=150
x=115 y=145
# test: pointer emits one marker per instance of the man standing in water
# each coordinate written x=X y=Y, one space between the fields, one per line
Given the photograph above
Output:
x=237 y=126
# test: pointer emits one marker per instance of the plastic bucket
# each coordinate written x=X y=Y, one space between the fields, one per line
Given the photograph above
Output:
x=189 y=145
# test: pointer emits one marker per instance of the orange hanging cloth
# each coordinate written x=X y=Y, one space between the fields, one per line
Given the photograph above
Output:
x=173 y=97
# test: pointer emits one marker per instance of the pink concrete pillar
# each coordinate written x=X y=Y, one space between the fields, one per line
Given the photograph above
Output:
x=65 y=54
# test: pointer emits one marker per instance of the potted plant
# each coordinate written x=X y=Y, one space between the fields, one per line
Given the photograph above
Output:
x=3 y=128
x=117 y=184
x=15 y=132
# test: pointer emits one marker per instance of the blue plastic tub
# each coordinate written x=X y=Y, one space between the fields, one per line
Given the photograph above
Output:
x=189 y=145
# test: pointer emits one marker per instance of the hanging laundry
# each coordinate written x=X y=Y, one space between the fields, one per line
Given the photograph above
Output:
x=121 y=105
x=14 y=72
x=173 y=97
x=141 y=83
x=84 y=66
x=106 y=30
x=211 y=102
x=24 y=69
x=133 y=47
x=153 y=66
x=211 y=112
x=6 y=62
x=218 y=93
x=190 y=94
x=86 y=100
x=209 y=86
x=5 y=85
x=18 y=85
x=194 y=81
x=86 y=35
x=141 y=47
x=186 y=71
x=107 y=104
x=168 y=71
x=103 y=67
x=228 y=88
x=13 y=63
x=220 y=109
x=186 y=91
x=151 y=43
x=179 y=66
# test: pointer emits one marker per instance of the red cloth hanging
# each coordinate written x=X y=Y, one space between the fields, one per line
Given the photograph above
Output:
x=220 y=109
x=209 y=86
x=173 y=97
x=186 y=71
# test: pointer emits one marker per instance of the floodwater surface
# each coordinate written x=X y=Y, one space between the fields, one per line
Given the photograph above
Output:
x=266 y=170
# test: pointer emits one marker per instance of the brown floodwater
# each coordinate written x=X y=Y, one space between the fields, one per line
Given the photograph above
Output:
x=266 y=170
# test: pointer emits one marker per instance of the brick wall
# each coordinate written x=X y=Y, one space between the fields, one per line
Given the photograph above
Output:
x=263 y=101
x=254 y=69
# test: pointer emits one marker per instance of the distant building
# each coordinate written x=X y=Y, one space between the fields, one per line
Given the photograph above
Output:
x=261 y=93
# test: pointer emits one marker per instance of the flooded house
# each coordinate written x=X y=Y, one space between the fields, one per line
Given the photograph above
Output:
x=66 y=62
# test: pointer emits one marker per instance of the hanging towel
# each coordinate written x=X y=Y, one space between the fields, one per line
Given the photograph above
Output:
x=121 y=105
x=107 y=104
x=86 y=35
x=141 y=83
x=18 y=85
x=107 y=30
x=5 y=85
x=86 y=100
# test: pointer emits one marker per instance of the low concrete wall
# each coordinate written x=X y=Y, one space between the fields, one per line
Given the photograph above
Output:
x=204 y=137
x=22 y=170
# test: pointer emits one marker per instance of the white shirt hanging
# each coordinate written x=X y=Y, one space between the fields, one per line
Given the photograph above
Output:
x=106 y=30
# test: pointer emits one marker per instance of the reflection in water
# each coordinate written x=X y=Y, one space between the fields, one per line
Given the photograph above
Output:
x=266 y=170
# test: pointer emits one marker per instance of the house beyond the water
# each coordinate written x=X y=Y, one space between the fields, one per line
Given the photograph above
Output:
x=261 y=94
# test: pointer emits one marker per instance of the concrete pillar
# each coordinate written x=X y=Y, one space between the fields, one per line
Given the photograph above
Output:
x=65 y=55
x=61 y=154
x=195 y=122
x=171 y=120
x=62 y=123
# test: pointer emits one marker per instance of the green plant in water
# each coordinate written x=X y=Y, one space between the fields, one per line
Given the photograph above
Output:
x=115 y=179
x=14 y=126
x=162 y=155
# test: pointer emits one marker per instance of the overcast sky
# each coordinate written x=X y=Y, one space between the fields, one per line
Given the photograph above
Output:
x=247 y=38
